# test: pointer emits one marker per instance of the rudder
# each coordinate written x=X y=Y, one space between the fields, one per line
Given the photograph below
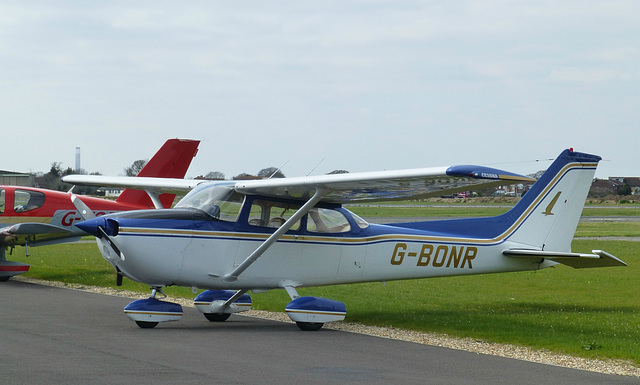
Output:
x=171 y=161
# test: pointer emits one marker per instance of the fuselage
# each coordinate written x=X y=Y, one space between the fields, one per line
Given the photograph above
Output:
x=192 y=248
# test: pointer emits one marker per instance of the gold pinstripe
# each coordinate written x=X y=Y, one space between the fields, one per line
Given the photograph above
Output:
x=315 y=312
x=150 y=312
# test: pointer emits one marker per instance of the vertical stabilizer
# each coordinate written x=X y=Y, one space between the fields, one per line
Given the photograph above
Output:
x=548 y=214
x=171 y=161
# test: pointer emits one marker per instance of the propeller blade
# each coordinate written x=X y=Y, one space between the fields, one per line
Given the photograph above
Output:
x=113 y=245
x=84 y=210
x=99 y=231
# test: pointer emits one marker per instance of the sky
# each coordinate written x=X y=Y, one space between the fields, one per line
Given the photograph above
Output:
x=315 y=86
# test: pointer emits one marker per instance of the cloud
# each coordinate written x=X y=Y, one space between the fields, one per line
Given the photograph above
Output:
x=357 y=77
x=582 y=75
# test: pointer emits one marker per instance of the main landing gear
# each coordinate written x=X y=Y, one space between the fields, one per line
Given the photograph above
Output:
x=311 y=313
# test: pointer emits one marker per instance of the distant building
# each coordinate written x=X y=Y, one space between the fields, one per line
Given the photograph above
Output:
x=614 y=186
x=77 y=158
x=12 y=178
x=604 y=187
x=513 y=190
x=109 y=192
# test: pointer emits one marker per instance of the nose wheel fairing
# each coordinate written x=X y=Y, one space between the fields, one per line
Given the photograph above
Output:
x=147 y=313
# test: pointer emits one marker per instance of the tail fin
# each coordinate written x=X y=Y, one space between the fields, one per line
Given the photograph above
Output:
x=547 y=216
x=171 y=161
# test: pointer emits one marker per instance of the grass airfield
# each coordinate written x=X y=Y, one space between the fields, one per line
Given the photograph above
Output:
x=592 y=313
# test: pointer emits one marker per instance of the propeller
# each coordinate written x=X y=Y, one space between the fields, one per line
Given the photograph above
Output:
x=99 y=227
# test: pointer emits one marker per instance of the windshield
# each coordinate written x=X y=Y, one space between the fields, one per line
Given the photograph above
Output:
x=221 y=202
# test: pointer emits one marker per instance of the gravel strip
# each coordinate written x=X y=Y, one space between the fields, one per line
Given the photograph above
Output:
x=618 y=367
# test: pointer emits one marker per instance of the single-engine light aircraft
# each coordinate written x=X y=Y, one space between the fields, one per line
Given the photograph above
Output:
x=36 y=217
x=230 y=237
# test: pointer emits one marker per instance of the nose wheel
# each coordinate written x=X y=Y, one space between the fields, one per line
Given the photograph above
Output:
x=148 y=313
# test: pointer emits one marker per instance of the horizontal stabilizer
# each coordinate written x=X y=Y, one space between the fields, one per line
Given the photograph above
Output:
x=599 y=258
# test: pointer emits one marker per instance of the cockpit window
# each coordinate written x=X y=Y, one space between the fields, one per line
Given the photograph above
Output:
x=272 y=214
x=327 y=221
x=26 y=200
x=2 y=199
x=221 y=202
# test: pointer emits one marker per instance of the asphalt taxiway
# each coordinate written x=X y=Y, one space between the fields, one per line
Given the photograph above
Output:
x=58 y=335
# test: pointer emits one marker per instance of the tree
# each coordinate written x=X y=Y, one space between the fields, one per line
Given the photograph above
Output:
x=56 y=169
x=271 y=172
x=245 y=176
x=51 y=180
x=214 y=175
x=338 y=172
x=135 y=168
x=625 y=189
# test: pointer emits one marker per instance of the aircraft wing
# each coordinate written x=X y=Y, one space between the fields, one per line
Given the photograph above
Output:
x=36 y=234
x=339 y=188
x=158 y=185
x=384 y=185
x=33 y=228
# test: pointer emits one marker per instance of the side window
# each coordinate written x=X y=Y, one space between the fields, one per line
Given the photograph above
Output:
x=327 y=221
x=272 y=214
x=26 y=200
x=2 y=199
x=230 y=208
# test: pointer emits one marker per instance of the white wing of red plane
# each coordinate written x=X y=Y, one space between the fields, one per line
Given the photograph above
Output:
x=156 y=185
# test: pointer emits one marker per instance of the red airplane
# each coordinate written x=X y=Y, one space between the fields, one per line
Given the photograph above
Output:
x=37 y=217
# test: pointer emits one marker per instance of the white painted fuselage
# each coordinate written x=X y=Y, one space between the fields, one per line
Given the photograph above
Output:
x=200 y=259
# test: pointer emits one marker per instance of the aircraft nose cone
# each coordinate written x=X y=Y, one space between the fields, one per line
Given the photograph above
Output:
x=91 y=226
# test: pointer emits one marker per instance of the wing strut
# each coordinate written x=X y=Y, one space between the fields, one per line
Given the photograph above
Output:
x=155 y=198
x=233 y=275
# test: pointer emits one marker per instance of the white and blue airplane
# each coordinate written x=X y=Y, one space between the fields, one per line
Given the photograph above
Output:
x=232 y=237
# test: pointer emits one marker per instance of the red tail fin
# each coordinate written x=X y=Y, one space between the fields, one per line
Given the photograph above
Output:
x=171 y=161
